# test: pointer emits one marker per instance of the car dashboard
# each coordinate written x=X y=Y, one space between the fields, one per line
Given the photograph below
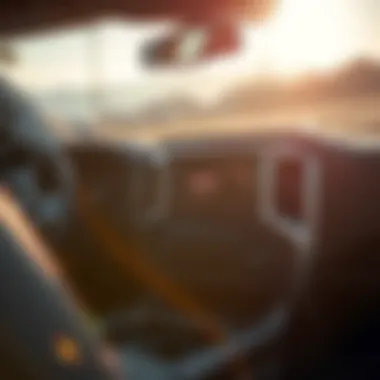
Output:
x=249 y=224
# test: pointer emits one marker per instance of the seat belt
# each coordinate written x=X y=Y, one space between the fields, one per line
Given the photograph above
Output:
x=131 y=259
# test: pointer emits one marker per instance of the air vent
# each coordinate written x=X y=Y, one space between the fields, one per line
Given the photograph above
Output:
x=289 y=189
x=105 y=175
x=289 y=196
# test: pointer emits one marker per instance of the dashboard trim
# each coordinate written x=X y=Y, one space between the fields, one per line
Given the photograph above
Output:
x=303 y=234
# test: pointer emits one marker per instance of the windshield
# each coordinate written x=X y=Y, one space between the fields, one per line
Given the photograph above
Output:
x=310 y=50
x=67 y=68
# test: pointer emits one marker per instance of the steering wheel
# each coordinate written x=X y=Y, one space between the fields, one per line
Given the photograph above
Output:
x=33 y=164
x=38 y=173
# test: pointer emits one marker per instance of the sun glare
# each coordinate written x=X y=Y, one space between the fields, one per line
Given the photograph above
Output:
x=302 y=36
x=307 y=35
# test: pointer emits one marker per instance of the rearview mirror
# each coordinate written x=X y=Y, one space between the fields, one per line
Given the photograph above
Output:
x=192 y=45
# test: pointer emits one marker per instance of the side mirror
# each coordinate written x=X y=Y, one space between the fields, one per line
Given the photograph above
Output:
x=192 y=45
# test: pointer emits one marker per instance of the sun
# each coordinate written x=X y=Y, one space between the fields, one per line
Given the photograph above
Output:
x=307 y=35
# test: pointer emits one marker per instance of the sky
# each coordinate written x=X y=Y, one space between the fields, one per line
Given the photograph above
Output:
x=302 y=36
